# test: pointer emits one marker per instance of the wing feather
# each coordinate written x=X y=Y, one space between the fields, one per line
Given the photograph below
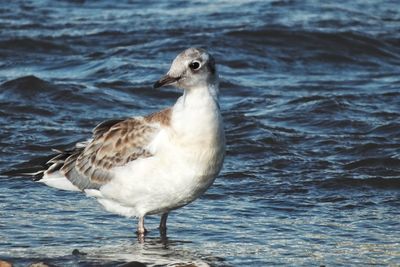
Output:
x=114 y=143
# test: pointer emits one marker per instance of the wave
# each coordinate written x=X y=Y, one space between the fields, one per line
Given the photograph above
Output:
x=30 y=93
x=27 y=85
x=35 y=45
x=324 y=46
x=379 y=183
x=384 y=162
x=388 y=129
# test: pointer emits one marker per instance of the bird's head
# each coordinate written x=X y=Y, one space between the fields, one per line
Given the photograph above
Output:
x=193 y=68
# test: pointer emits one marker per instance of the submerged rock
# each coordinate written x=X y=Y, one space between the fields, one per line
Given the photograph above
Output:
x=39 y=264
x=133 y=264
x=76 y=252
x=5 y=264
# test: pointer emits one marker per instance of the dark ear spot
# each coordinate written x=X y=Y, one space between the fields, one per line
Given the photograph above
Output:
x=211 y=65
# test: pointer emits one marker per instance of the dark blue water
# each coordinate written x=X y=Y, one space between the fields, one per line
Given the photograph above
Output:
x=311 y=102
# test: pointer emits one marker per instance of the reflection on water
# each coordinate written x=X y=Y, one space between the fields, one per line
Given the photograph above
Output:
x=153 y=252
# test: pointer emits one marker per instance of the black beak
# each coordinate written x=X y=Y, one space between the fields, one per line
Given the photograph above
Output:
x=165 y=81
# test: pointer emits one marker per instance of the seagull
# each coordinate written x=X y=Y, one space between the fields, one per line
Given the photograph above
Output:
x=147 y=165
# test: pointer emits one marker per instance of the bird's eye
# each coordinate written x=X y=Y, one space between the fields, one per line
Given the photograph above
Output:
x=195 y=65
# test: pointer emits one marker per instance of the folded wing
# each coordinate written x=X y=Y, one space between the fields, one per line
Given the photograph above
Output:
x=114 y=144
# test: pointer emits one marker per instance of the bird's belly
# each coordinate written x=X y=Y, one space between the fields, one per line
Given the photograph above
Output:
x=164 y=182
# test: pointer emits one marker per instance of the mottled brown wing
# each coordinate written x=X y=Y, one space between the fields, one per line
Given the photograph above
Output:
x=114 y=144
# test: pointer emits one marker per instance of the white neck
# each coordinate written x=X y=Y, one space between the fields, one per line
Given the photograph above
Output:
x=199 y=96
x=197 y=113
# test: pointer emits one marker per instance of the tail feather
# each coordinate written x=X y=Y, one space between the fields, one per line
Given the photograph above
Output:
x=32 y=168
x=37 y=167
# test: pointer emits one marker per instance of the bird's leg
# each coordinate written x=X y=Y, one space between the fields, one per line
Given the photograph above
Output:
x=163 y=224
x=141 y=231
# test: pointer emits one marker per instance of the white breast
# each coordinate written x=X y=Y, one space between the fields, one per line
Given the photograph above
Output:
x=188 y=154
